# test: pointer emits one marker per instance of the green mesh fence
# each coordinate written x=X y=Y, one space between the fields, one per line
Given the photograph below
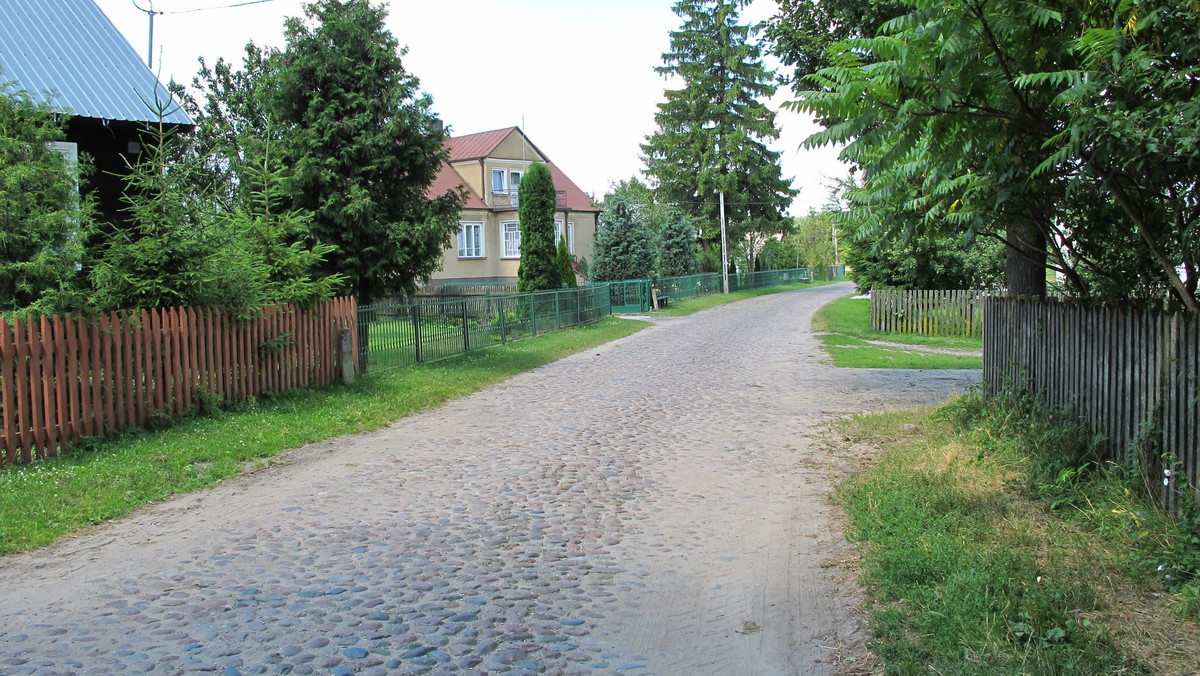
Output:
x=391 y=335
x=400 y=334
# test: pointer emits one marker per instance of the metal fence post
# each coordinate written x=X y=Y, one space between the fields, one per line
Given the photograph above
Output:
x=503 y=333
x=414 y=313
x=466 y=329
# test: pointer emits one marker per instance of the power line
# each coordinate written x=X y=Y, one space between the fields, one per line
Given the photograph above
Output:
x=205 y=9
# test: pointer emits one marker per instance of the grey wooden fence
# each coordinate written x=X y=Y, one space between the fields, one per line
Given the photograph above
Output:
x=1128 y=372
x=929 y=313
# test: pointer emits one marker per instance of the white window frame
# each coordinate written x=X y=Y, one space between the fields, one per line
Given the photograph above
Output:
x=510 y=239
x=502 y=175
x=465 y=248
x=514 y=180
x=558 y=232
x=571 y=237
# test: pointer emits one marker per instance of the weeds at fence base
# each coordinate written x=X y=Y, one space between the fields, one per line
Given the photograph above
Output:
x=994 y=542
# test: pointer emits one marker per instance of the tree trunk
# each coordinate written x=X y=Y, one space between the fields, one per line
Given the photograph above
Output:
x=1026 y=274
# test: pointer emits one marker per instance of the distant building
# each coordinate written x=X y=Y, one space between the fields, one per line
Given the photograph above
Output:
x=68 y=53
x=490 y=166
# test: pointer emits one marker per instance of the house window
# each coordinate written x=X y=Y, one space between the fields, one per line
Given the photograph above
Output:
x=470 y=240
x=498 y=182
x=571 y=238
x=514 y=180
x=557 y=232
x=511 y=231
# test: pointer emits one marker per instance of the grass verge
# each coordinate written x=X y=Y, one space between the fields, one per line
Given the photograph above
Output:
x=844 y=328
x=994 y=543
x=42 y=501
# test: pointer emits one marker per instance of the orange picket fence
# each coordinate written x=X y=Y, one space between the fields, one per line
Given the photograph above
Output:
x=65 y=378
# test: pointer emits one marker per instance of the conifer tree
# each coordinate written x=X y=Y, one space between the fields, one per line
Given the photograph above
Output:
x=712 y=132
x=40 y=210
x=566 y=270
x=539 y=269
x=622 y=248
x=363 y=147
x=677 y=246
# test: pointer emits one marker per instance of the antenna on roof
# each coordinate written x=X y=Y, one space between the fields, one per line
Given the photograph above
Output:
x=150 y=46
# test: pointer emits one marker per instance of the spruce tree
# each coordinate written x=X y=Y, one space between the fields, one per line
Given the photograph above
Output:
x=566 y=270
x=712 y=132
x=677 y=246
x=363 y=147
x=538 y=270
x=622 y=248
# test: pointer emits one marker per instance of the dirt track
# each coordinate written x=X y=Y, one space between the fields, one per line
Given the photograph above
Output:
x=655 y=506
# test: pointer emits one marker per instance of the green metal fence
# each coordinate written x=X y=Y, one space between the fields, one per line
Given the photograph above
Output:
x=400 y=334
x=391 y=335
x=634 y=295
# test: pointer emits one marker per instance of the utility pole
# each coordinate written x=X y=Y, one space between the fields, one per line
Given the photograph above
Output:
x=724 y=248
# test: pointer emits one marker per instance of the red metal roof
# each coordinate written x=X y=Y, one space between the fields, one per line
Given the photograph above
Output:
x=447 y=179
x=476 y=146
x=482 y=145
x=576 y=199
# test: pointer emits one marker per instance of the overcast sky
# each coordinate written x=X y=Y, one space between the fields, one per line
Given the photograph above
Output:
x=576 y=75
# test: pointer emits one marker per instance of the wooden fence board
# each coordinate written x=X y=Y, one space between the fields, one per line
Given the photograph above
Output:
x=68 y=377
x=1125 y=371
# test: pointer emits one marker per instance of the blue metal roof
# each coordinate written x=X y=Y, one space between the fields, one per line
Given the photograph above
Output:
x=69 y=50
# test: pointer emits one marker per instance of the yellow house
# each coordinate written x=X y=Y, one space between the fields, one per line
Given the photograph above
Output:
x=490 y=166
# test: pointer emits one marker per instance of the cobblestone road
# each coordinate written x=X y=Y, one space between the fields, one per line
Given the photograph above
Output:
x=653 y=506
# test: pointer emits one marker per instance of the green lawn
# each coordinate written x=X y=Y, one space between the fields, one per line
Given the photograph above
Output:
x=45 y=500
x=844 y=328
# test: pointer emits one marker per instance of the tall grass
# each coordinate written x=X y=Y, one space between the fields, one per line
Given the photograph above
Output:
x=996 y=542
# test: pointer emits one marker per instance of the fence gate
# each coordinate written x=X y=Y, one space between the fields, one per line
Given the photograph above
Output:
x=629 y=296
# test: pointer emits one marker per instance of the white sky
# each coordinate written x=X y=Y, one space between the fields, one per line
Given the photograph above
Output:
x=576 y=75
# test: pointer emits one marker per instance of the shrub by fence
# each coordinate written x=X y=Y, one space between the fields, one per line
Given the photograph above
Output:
x=1133 y=374
x=928 y=313
x=65 y=378
x=400 y=334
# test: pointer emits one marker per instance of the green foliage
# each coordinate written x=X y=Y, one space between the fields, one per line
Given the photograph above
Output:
x=362 y=149
x=41 y=214
x=926 y=262
x=801 y=31
x=712 y=132
x=1026 y=120
x=172 y=254
x=233 y=125
x=179 y=251
x=814 y=241
x=539 y=268
x=566 y=268
x=677 y=246
x=622 y=248
x=778 y=254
